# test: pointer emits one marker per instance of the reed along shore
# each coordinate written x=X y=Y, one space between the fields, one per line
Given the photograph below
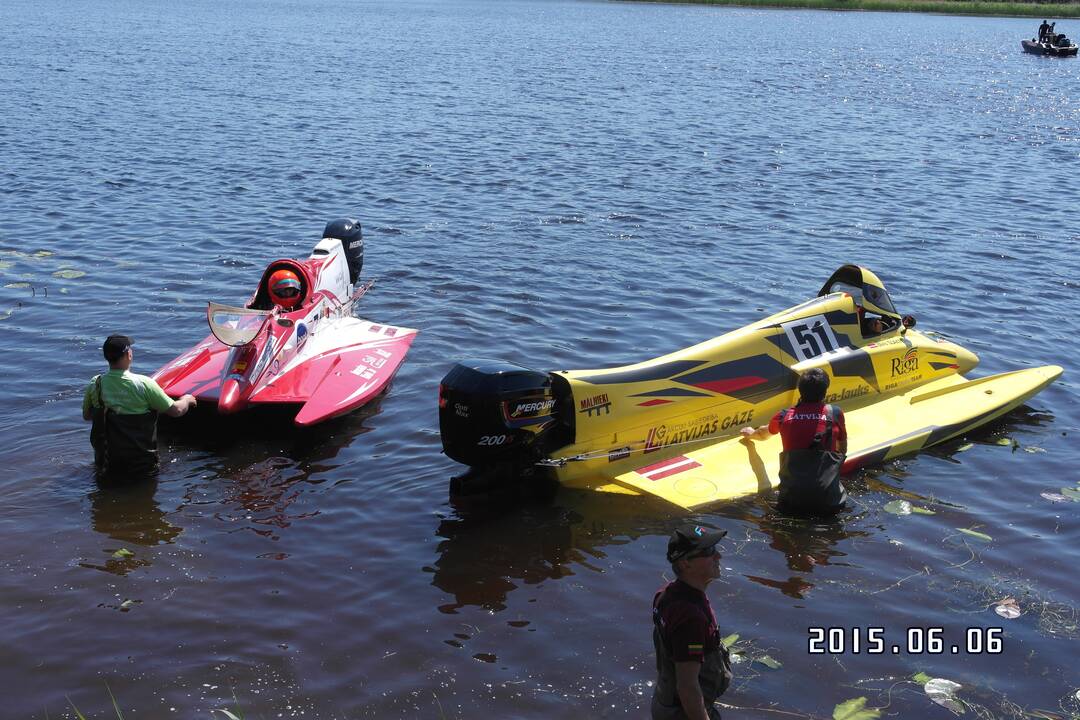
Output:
x=1048 y=11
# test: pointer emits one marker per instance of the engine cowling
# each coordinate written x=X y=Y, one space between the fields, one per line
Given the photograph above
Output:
x=494 y=412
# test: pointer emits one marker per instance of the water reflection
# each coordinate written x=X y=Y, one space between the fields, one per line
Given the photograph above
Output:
x=806 y=544
x=489 y=549
x=129 y=514
x=265 y=461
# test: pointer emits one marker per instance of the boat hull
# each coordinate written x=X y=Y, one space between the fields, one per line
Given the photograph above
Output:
x=877 y=432
x=1037 y=48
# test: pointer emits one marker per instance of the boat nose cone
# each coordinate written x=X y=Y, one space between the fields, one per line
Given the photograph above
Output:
x=229 y=402
x=965 y=360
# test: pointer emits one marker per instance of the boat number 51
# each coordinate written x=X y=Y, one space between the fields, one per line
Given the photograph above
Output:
x=810 y=337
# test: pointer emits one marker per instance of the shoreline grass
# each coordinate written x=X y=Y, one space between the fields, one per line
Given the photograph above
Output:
x=1047 y=11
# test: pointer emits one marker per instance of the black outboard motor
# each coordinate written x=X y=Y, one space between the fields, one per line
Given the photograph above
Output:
x=499 y=418
x=348 y=232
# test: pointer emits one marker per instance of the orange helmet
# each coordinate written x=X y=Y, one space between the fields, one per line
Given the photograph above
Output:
x=285 y=288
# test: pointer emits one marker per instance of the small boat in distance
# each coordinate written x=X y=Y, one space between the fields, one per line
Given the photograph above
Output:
x=1049 y=43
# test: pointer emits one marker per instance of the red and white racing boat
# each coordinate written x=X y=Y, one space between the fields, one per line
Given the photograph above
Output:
x=297 y=340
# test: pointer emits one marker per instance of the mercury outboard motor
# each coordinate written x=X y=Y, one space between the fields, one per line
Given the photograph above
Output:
x=499 y=418
x=352 y=239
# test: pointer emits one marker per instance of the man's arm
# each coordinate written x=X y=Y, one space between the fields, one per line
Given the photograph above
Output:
x=689 y=689
x=87 y=406
x=841 y=442
x=181 y=406
x=759 y=434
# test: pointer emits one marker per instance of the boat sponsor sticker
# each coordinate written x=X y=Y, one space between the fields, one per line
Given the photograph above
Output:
x=847 y=394
x=370 y=364
x=618 y=454
x=907 y=363
x=667 y=468
x=595 y=406
x=527 y=411
x=662 y=436
x=301 y=335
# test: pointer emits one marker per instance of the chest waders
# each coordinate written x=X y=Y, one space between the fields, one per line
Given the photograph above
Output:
x=125 y=446
x=810 y=478
x=713 y=677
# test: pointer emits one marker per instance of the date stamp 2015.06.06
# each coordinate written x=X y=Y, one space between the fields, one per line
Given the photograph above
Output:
x=914 y=641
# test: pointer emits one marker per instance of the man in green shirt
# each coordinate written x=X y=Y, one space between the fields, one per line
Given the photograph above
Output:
x=124 y=407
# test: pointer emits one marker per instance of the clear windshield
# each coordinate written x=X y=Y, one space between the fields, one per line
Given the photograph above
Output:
x=878 y=296
x=235 y=326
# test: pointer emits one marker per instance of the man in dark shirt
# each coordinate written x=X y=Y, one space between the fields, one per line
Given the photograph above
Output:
x=815 y=442
x=692 y=665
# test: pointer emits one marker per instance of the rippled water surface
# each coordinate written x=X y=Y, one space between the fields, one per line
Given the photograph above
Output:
x=562 y=184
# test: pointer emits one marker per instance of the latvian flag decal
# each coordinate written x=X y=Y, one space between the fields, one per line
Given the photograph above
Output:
x=667 y=468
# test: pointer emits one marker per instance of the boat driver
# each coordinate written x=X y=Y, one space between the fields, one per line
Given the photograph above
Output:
x=284 y=288
x=870 y=325
x=1043 y=29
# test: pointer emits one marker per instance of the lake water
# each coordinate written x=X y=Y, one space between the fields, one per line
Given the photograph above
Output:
x=561 y=184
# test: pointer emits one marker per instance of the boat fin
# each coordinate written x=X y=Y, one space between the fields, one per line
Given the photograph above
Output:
x=355 y=377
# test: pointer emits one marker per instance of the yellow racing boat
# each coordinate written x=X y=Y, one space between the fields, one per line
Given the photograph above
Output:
x=669 y=426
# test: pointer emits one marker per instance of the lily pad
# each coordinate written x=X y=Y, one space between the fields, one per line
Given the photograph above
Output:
x=68 y=274
x=921 y=678
x=1071 y=493
x=5 y=264
x=730 y=640
x=17 y=285
x=976 y=534
x=1055 y=497
x=898 y=507
x=965 y=446
x=1005 y=442
x=1008 y=611
x=126 y=604
x=769 y=662
x=123 y=553
x=855 y=709
x=922 y=511
x=1007 y=608
x=943 y=692
x=1034 y=449
x=42 y=253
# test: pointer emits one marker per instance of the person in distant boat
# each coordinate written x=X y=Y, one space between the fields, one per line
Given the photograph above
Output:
x=1043 y=29
x=123 y=408
x=284 y=288
x=693 y=667
x=815 y=442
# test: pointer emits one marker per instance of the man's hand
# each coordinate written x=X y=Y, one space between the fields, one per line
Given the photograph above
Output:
x=181 y=406
x=689 y=689
x=759 y=434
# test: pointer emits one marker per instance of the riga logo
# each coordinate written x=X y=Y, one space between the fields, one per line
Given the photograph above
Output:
x=909 y=363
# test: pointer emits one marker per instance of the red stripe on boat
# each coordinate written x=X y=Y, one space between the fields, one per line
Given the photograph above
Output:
x=650 y=403
x=730 y=385
x=666 y=468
